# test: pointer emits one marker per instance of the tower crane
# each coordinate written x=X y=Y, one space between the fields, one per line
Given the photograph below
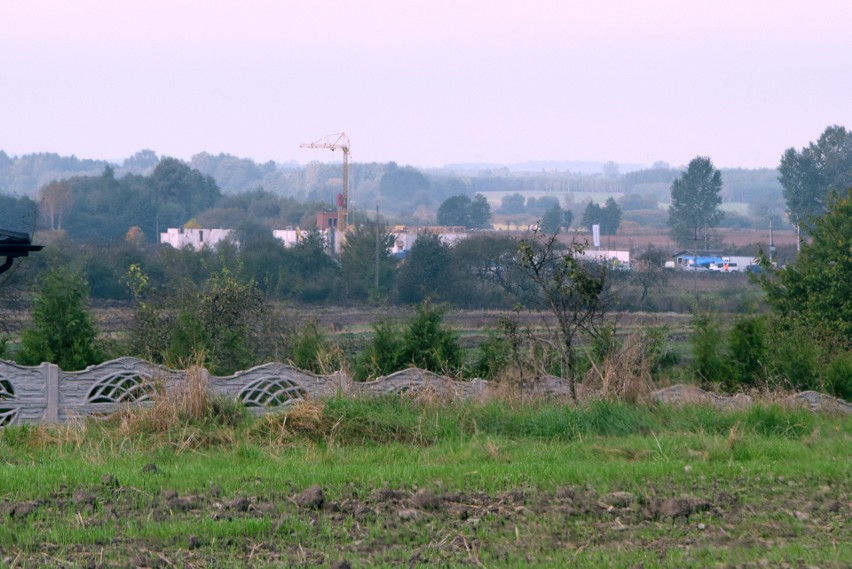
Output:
x=334 y=142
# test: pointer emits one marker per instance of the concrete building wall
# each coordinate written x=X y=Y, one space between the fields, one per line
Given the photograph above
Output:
x=180 y=237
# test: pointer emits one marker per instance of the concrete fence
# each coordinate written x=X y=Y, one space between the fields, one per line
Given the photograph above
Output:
x=45 y=393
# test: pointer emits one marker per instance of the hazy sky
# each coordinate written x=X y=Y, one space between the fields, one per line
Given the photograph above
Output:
x=425 y=83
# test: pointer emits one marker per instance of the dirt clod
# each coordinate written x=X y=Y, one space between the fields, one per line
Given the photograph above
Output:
x=425 y=499
x=618 y=499
x=408 y=514
x=23 y=509
x=312 y=498
x=239 y=504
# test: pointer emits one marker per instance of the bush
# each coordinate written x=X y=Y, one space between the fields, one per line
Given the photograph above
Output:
x=838 y=376
x=382 y=354
x=223 y=318
x=427 y=344
x=62 y=331
x=794 y=356
x=310 y=350
x=710 y=364
x=749 y=352
x=494 y=355
x=423 y=343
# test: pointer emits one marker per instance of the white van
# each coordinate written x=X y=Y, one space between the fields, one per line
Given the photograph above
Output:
x=725 y=267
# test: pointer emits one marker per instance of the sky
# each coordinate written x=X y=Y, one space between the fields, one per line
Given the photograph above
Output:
x=425 y=83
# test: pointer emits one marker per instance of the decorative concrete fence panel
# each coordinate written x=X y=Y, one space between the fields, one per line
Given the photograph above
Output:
x=102 y=389
x=23 y=392
x=45 y=393
x=422 y=382
x=275 y=384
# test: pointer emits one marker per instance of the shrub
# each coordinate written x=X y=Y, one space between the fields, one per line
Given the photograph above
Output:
x=494 y=355
x=62 y=331
x=424 y=342
x=427 y=344
x=838 y=376
x=794 y=356
x=223 y=318
x=748 y=349
x=310 y=348
x=710 y=364
x=382 y=354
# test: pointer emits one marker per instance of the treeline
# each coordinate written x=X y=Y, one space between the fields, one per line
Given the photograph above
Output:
x=464 y=275
x=402 y=191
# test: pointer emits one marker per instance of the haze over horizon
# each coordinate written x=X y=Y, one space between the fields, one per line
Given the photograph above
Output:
x=426 y=84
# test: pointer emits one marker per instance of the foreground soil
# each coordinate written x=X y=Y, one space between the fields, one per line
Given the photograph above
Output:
x=765 y=521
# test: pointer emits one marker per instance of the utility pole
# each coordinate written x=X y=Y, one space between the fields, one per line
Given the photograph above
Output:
x=377 y=248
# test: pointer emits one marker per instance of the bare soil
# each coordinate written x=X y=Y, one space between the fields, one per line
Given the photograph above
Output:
x=362 y=527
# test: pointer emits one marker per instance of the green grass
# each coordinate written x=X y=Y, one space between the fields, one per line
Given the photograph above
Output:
x=776 y=480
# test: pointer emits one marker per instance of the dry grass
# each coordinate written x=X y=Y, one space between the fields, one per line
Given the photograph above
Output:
x=305 y=417
x=626 y=373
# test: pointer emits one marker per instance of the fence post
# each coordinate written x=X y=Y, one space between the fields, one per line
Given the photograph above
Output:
x=51 y=381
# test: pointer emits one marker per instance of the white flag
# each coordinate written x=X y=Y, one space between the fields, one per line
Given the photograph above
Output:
x=596 y=234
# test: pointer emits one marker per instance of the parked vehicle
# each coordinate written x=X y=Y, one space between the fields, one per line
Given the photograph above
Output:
x=724 y=267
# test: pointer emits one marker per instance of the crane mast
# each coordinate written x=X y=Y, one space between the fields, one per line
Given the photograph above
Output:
x=334 y=142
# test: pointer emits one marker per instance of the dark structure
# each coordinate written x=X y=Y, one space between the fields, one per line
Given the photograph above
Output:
x=12 y=245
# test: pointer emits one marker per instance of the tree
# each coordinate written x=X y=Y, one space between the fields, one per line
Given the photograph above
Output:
x=55 y=197
x=405 y=184
x=477 y=261
x=694 y=209
x=648 y=271
x=816 y=288
x=480 y=212
x=62 y=331
x=611 y=217
x=608 y=216
x=366 y=251
x=461 y=211
x=427 y=271
x=512 y=203
x=455 y=211
x=809 y=175
x=555 y=219
x=141 y=161
x=574 y=293
x=185 y=190
x=310 y=274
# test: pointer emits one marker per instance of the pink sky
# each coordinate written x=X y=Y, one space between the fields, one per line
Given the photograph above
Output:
x=425 y=83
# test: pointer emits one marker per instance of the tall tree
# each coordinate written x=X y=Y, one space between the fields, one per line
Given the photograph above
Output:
x=694 y=210
x=480 y=212
x=612 y=217
x=55 y=197
x=816 y=288
x=461 y=211
x=810 y=174
x=455 y=210
x=426 y=272
x=366 y=265
x=555 y=219
x=512 y=203
x=608 y=216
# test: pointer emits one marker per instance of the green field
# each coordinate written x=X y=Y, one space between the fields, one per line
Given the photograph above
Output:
x=389 y=482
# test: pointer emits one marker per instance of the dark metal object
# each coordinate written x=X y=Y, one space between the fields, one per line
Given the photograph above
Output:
x=14 y=244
